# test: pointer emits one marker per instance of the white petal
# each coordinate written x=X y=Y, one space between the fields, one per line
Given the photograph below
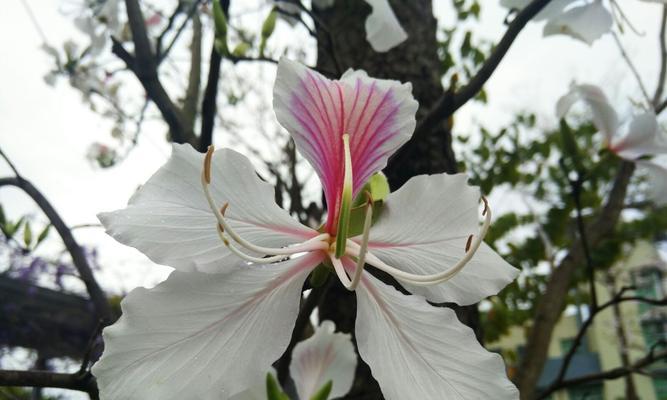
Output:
x=423 y=229
x=417 y=351
x=383 y=31
x=643 y=138
x=604 y=115
x=202 y=336
x=657 y=181
x=377 y=114
x=169 y=220
x=586 y=23
x=325 y=356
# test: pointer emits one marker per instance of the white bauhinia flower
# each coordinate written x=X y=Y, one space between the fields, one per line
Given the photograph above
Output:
x=586 y=22
x=383 y=30
x=604 y=115
x=643 y=136
x=215 y=326
x=325 y=356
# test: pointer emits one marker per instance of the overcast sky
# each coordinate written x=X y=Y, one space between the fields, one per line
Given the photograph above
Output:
x=46 y=131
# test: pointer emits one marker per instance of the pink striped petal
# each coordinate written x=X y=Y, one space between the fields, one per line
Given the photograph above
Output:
x=379 y=116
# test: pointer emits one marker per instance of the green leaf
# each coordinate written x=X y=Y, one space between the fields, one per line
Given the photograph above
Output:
x=43 y=234
x=323 y=393
x=11 y=229
x=27 y=235
x=3 y=220
x=273 y=390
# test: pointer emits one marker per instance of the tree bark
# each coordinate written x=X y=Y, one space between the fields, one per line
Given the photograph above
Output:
x=341 y=45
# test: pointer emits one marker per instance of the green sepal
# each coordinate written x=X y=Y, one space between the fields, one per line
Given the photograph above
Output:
x=358 y=217
x=320 y=275
x=379 y=187
x=27 y=235
x=273 y=390
x=324 y=392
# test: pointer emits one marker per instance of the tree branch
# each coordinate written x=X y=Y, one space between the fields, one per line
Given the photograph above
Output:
x=452 y=101
x=82 y=383
x=144 y=66
x=663 y=58
x=552 y=302
x=617 y=299
x=209 y=107
x=614 y=373
x=97 y=296
x=192 y=92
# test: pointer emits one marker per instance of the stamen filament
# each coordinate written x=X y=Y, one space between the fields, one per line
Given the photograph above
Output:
x=361 y=257
x=316 y=243
x=432 y=279
x=340 y=271
x=249 y=258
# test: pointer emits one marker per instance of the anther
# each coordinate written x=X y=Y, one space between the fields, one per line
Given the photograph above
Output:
x=468 y=243
x=486 y=206
x=207 y=163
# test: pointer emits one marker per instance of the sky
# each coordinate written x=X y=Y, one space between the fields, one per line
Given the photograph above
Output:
x=46 y=130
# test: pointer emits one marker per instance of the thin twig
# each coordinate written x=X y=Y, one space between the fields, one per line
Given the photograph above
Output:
x=48 y=379
x=452 y=101
x=97 y=296
x=162 y=55
x=632 y=67
x=618 y=298
x=663 y=58
x=614 y=373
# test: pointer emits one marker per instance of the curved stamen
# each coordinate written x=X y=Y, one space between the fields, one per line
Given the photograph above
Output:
x=361 y=255
x=433 y=279
x=249 y=258
x=316 y=243
x=340 y=271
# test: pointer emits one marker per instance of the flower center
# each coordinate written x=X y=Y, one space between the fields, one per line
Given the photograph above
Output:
x=346 y=255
